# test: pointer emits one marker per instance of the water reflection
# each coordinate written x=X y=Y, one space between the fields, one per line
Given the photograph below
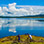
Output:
x=13 y=25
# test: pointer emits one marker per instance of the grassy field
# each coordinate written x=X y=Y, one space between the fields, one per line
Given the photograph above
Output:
x=23 y=40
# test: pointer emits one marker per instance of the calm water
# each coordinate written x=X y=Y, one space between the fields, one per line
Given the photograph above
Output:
x=15 y=26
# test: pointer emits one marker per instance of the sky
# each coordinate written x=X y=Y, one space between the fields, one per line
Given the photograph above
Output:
x=21 y=7
x=23 y=2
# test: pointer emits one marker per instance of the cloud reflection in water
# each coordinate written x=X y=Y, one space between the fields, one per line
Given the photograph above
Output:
x=13 y=23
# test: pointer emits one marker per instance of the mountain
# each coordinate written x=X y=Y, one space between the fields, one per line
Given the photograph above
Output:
x=29 y=16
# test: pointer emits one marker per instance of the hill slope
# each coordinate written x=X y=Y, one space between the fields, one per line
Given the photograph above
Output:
x=23 y=40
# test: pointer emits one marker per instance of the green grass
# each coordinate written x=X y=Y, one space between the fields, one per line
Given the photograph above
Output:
x=22 y=43
x=23 y=40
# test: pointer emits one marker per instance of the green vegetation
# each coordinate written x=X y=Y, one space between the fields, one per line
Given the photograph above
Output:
x=23 y=40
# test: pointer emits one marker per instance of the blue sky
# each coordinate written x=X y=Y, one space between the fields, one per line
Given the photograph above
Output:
x=23 y=2
x=21 y=7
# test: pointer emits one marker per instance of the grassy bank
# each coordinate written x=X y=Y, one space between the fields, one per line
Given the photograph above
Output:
x=23 y=40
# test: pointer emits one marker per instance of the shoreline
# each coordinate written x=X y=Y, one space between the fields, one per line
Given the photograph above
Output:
x=21 y=35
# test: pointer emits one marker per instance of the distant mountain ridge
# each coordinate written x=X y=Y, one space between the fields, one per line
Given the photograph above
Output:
x=33 y=16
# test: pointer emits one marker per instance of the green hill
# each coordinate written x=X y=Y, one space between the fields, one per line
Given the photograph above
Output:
x=23 y=40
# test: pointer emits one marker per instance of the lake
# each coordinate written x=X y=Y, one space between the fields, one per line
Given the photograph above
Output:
x=15 y=26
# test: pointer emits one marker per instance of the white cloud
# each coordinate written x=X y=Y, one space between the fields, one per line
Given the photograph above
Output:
x=17 y=12
x=0 y=10
x=5 y=9
x=21 y=10
x=13 y=4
